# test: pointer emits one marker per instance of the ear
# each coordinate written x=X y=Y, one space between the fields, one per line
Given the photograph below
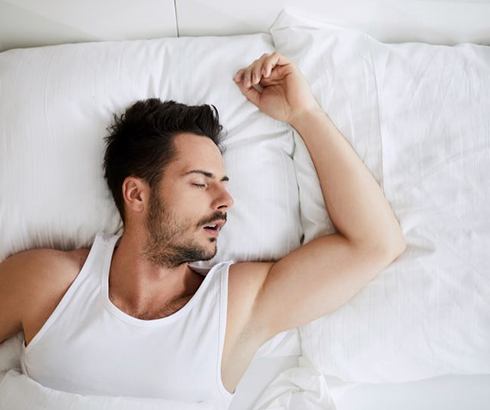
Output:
x=135 y=194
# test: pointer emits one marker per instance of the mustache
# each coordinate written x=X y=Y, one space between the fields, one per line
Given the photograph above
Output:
x=216 y=217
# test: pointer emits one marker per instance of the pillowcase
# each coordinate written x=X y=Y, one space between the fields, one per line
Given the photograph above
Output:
x=417 y=115
x=57 y=102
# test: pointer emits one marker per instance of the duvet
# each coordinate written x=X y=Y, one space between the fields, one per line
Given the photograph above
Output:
x=20 y=392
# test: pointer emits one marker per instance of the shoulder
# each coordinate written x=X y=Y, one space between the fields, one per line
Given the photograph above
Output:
x=37 y=280
x=44 y=261
x=43 y=272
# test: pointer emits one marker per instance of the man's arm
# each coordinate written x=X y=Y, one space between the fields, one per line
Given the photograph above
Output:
x=353 y=198
x=324 y=274
x=320 y=276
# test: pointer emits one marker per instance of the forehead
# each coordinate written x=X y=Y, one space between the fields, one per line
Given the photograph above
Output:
x=195 y=151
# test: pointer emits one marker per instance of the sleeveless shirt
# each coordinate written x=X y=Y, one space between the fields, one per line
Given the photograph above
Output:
x=90 y=346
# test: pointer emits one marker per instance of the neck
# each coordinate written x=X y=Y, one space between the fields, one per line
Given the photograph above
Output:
x=138 y=285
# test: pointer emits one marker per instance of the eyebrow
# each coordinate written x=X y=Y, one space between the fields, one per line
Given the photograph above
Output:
x=205 y=173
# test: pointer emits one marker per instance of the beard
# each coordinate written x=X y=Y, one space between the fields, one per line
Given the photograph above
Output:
x=166 y=245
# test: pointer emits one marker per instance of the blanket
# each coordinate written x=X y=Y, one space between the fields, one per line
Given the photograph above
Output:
x=20 y=392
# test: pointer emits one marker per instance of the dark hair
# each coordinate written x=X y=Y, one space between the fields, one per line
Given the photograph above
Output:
x=140 y=141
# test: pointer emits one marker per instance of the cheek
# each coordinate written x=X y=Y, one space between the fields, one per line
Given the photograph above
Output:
x=189 y=203
x=190 y=210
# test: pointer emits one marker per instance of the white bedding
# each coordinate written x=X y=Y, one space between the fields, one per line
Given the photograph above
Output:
x=20 y=392
x=450 y=392
x=417 y=115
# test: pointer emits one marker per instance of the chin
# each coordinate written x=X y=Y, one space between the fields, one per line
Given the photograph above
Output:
x=213 y=253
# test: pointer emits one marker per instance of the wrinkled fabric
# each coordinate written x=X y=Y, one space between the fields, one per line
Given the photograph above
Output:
x=302 y=387
x=19 y=392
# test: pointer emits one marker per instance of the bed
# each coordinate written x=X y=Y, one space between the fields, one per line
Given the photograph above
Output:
x=408 y=84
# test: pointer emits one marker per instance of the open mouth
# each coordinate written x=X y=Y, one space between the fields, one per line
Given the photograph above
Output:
x=213 y=228
x=212 y=232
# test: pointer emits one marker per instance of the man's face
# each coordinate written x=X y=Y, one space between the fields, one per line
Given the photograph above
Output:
x=191 y=194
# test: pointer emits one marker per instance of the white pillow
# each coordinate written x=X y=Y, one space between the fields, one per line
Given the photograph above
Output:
x=417 y=115
x=57 y=102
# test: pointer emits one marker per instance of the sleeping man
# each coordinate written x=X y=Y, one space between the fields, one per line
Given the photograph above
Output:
x=130 y=317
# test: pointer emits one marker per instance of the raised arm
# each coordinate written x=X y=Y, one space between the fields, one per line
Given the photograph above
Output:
x=354 y=200
x=322 y=275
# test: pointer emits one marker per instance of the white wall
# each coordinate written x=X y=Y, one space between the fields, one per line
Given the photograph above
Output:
x=436 y=21
x=27 y=23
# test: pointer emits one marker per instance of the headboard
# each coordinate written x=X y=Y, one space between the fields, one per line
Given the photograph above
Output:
x=29 y=23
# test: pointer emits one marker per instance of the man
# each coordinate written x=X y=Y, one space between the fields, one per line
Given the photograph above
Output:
x=151 y=326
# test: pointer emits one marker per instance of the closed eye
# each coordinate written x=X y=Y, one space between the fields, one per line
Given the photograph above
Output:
x=199 y=185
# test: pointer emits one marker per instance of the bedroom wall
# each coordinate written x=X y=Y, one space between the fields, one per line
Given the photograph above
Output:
x=436 y=21
x=28 y=23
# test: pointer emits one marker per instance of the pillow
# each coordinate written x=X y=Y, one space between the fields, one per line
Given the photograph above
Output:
x=57 y=102
x=417 y=115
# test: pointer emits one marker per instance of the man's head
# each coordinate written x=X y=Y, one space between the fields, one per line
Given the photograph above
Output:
x=165 y=169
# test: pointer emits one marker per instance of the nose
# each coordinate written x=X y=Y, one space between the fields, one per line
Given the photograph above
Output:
x=225 y=200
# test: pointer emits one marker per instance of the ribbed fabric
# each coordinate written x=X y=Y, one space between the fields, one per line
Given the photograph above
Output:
x=89 y=346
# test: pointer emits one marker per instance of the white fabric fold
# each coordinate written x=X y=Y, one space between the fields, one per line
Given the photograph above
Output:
x=10 y=351
x=302 y=387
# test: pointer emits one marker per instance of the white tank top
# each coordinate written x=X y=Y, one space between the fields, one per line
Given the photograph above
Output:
x=89 y=346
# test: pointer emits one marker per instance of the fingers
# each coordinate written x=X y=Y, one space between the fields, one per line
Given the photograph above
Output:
x=239 y=75
x=249 y=76
x=252 y=73
x=260 y=68
x=250 y=93
x=274 y=59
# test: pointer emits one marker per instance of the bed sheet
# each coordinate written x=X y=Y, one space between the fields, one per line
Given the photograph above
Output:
x=261 y=372
x=450 y=392
x=280 y=359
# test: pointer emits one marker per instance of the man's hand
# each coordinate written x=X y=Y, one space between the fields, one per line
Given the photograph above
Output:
x=282 y=91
